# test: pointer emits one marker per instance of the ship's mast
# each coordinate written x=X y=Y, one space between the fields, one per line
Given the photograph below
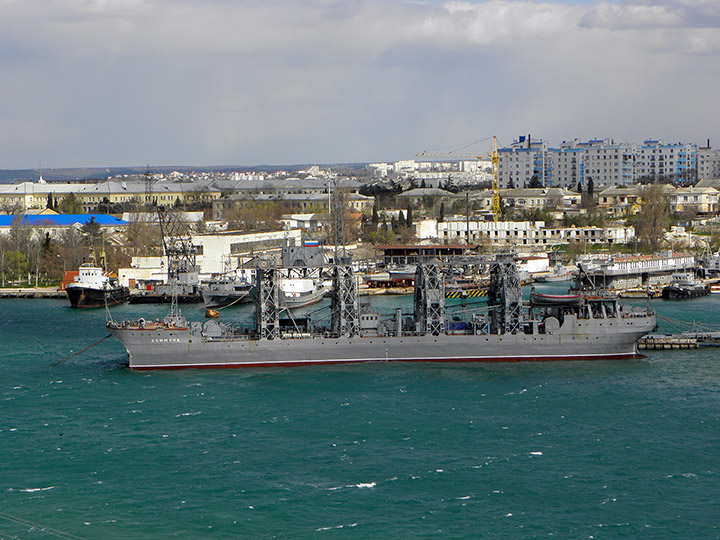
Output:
x=338 y=221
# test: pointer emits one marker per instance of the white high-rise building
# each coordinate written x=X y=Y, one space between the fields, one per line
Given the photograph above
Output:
x=708 y=162
x=657 y=160
x=567 y=164
x=609 y=164
x=603 y=161
x=523 y=162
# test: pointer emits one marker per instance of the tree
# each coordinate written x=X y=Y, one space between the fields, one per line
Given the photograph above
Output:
x=409 y=217
x=535 y=182
x=16 y=265
x=4 y=246
x=143 y=238
x=92 y=231
x=71 y=248
x=654 y=217
x=253 y=215
x=442 y=211
x=49 y=203
x=69 y=205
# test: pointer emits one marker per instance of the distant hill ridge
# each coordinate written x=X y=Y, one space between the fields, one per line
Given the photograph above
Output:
x=9 y=176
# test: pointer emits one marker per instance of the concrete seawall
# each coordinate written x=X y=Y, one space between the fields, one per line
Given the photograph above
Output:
x=32 y=292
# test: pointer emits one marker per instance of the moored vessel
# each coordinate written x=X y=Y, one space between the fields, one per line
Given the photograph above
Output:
x=296 y=292
x=93 y=287
x=558 y=274
x=505 y=330
x=684 y=286
x=226 y=290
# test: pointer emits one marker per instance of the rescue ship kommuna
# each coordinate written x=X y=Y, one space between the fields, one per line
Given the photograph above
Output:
x=506 y=330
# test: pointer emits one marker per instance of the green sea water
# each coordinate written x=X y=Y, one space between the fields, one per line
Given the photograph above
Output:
x=603 y=449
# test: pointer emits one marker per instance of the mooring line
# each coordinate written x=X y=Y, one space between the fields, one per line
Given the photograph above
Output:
x=73 y=355
x=48 y=530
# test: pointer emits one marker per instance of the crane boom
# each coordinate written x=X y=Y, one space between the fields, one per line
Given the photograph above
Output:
x=449 y=155
x=495 y=159
x=495 y=181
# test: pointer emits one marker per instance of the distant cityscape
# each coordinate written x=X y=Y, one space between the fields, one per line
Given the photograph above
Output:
x=527 y=162
x=596 y=193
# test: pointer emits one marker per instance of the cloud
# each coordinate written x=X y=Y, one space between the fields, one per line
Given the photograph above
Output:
x=121 y=82
x=654 y=14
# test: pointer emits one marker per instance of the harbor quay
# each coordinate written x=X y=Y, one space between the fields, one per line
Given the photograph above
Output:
x=33 y=292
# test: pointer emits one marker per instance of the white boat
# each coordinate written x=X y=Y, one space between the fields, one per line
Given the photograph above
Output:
x=226 y=290
x=299 y=292
x=558 y=274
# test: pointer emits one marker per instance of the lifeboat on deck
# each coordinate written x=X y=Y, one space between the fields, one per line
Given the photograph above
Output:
x=540 y=299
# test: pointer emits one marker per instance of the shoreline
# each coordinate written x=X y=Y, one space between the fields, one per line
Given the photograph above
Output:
x=32 y=292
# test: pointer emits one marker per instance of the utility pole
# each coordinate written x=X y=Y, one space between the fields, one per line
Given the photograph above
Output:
x=467 y=216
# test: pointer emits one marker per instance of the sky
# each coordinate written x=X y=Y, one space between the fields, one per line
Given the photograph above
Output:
x=101 y=83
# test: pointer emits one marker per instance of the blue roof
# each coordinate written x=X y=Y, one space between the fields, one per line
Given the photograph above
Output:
x=63 y=219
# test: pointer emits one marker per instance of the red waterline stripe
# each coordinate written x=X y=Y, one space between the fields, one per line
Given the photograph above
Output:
x=620 y=356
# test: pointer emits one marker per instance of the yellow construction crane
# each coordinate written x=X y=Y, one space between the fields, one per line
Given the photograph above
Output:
x=495 y=159
x=495 y=186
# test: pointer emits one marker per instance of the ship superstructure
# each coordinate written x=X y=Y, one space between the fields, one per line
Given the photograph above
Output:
x=506 y=329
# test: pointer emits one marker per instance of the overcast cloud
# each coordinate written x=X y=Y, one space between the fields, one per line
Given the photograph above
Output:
x=212 y=82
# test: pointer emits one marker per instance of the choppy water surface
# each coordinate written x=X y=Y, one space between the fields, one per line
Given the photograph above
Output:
x=554 y=450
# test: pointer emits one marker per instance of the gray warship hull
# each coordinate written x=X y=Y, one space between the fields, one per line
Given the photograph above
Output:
x=173 y=348
x=583 y=328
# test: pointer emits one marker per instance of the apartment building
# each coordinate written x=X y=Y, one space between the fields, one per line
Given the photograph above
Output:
x=708 y=162
x=609 y=164
x=567 y=164
x=524 y=161
x=603 y=161
x=657 y=160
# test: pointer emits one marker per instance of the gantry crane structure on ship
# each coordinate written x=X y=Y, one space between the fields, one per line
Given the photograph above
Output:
x=495 y=160
x=182 y=272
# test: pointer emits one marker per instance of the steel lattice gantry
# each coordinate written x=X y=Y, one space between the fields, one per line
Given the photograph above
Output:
x=505 y=295
x=345 y=317
x=429 y=300
x=267 y=309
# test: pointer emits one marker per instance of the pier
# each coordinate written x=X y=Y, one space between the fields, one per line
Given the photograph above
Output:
x=33 y=292
x=657 y=342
